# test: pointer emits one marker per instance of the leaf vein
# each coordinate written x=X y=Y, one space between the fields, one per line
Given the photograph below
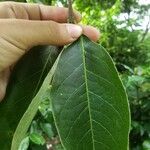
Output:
x=70 y=98
x=88 y=99
x=107 y=104
x=75 y=122
x=67 y=78
x=106 y=131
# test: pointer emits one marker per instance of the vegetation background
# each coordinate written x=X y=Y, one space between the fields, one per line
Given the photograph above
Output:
x=124 y=27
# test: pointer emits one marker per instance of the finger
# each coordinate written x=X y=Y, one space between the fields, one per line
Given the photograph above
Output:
x=35 y=12
x=21 y=35
x=91 y=32
x=58 y=14
x=32 y=33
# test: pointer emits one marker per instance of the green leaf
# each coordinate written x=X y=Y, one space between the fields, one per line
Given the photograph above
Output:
x=37 y=139
x=89 y=101
x=32 y=109
x=146 y=145
x=34 y=127
x=24 y=144
x=25 y=82
x=47 y=129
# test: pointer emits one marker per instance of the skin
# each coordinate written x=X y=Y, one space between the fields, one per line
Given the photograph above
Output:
x=23 y=26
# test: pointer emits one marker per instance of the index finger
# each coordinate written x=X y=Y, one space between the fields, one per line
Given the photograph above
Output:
x=58 y=14
x=35 y=12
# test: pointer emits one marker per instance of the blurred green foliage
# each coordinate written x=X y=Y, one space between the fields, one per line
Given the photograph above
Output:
x=124 y=26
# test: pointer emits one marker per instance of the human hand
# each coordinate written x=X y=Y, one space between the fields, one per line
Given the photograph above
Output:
x=23 y=26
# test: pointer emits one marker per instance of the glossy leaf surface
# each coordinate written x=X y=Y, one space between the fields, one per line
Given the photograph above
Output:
x=26 y=79
x=89 y=102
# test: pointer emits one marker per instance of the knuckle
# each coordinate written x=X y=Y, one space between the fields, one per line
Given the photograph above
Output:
x=6 y=5
x=5 y=8
x=59 y=33
x=53 y=28
x=13 y=10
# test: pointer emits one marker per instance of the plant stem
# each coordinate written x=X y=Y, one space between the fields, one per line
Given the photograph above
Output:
x=70 y=13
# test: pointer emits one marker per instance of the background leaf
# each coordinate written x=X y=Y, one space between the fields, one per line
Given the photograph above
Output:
x=26 y=79
x=37 y=138
x=89 y=102
x=31 y=111
x=24 y=144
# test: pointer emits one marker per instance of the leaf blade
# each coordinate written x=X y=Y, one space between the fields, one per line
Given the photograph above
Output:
x=87 y=111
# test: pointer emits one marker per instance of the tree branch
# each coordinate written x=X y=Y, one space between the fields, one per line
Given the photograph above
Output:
x=71 y=18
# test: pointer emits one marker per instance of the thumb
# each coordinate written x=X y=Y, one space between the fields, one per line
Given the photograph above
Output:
x=17 y=36
x=31 y=33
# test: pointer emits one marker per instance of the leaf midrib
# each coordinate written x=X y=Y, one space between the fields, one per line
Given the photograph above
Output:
x=87 y=91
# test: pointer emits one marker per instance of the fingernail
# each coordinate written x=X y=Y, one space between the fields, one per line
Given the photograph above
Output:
x=74 y=30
